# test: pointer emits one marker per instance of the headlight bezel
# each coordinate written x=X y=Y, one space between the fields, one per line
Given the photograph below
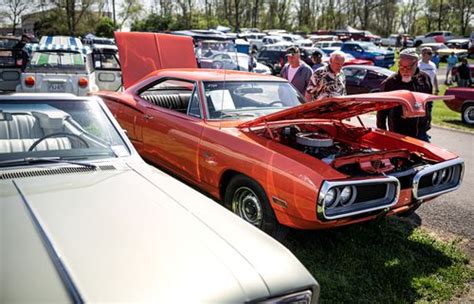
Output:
x=390 y=198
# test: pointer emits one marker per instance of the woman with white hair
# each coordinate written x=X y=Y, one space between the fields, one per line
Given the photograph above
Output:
x=329 y=80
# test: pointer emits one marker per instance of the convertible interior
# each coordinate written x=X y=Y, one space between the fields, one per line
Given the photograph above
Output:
x=36 y=131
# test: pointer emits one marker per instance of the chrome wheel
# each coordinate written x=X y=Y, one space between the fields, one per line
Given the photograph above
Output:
x=246 y=204
x=468 y=114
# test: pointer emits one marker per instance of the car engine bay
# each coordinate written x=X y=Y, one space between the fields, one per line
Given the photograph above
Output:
x=341 y=148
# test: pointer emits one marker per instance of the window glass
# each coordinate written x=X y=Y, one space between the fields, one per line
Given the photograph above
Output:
x=194 y=106
x=170 y=94
x=236 y=99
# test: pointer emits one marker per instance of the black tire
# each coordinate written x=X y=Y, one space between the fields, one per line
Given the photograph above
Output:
x=259 y=211
x=467 y=113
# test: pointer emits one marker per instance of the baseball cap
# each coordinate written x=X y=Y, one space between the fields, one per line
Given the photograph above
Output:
x=292 y=50
x=409 y=53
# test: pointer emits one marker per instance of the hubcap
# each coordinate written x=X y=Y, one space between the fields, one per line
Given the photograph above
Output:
x=469 y=114
x=245 y=203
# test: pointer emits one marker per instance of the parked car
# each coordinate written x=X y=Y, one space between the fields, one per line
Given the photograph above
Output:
x=272 y=39
x=369 y=51
x=246 y=140
x=59 y=68
x=85 y=219
x=327 y=44
x=364 y=79
x=274 y=59
x=439 y=37
x=232 y=61
x=107 y=67
x=444 y=51
x=391 y=41
x=350 y=60
x=11 y=63
x=255 y=39
x=463 y=103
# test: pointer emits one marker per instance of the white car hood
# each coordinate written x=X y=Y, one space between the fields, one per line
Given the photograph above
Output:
x=137 y=236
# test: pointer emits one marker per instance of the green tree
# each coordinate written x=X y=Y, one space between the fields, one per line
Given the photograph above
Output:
x=105 y=28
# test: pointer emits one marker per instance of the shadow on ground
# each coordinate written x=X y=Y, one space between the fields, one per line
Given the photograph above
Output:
x=389 y=261
x=458 y=123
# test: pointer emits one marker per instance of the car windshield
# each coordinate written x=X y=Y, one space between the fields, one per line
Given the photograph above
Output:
x=62 y=129
x=57 y=59
x=248 y=99
x=369 y=46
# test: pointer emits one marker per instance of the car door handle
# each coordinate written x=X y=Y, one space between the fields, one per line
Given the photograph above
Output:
x=148 y=117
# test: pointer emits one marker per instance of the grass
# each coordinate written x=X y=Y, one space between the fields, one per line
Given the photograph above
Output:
x=389 y=261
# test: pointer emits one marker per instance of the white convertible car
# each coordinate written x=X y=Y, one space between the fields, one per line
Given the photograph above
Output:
x=84 y=219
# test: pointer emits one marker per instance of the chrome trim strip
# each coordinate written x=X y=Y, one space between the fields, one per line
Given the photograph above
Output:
x=53 y=254
x=327 y=185
x=433 y=168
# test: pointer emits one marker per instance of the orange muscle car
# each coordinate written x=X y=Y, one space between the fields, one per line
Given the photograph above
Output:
x=251 y=142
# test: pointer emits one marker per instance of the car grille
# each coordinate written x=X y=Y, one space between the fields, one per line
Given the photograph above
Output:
x=438 y=179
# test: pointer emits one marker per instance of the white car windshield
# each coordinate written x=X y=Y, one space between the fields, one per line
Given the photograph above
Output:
x=248 y=99
x=62 y=129
x=57 y=59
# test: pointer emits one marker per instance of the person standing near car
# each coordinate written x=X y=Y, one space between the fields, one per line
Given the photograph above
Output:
x=20 y=52
x=409 y=77
x=435 y=58
x=464 y=74
x=452 y=61
x=316 y=58
x=427 y=66
x=297 y=72
x=328 y=81
x=252 y=60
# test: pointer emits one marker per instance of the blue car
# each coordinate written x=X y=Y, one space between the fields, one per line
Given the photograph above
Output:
x=369 y=51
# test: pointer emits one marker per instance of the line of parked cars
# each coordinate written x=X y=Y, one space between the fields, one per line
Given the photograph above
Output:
x=87 y=220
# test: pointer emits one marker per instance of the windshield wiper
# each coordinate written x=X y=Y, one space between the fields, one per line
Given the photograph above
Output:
x=247 y=114
x=39 y=160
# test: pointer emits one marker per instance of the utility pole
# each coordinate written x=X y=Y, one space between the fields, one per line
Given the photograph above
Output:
x=113 y=13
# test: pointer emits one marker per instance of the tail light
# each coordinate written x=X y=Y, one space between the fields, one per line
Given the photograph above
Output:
x=29 y=81
x=19 y=62
x=83 y=82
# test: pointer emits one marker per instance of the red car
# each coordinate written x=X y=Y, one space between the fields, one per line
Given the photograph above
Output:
x=463 y=103
x=247 y=140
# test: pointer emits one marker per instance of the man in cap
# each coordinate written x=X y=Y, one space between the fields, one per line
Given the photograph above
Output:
x=328 y=81
x=429 y=67
x=409 y=77
x=296 y=71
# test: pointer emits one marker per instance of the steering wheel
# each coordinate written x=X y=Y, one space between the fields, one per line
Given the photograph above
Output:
x=276 y=102
x=57 y=135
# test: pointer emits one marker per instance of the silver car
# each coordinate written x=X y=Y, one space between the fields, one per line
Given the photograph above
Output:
x=84 y=219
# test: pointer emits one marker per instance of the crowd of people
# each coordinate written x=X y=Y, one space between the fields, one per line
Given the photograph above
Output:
x=414 y=74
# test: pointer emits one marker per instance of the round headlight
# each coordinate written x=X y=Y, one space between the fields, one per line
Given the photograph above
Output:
x=434 y=178
x=330 y=198
x=347 y=194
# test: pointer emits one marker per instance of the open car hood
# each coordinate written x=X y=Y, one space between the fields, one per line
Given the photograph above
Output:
x=343 y=107
x=143 y=53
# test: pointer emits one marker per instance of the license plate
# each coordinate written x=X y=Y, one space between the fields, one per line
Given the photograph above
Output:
x=57 y=87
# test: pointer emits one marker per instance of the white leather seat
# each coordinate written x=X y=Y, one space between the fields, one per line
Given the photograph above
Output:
x=20 y=127
x=18 y=134
x=22 y=145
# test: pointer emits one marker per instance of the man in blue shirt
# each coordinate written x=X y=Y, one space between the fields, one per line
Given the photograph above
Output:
x=452 y=61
